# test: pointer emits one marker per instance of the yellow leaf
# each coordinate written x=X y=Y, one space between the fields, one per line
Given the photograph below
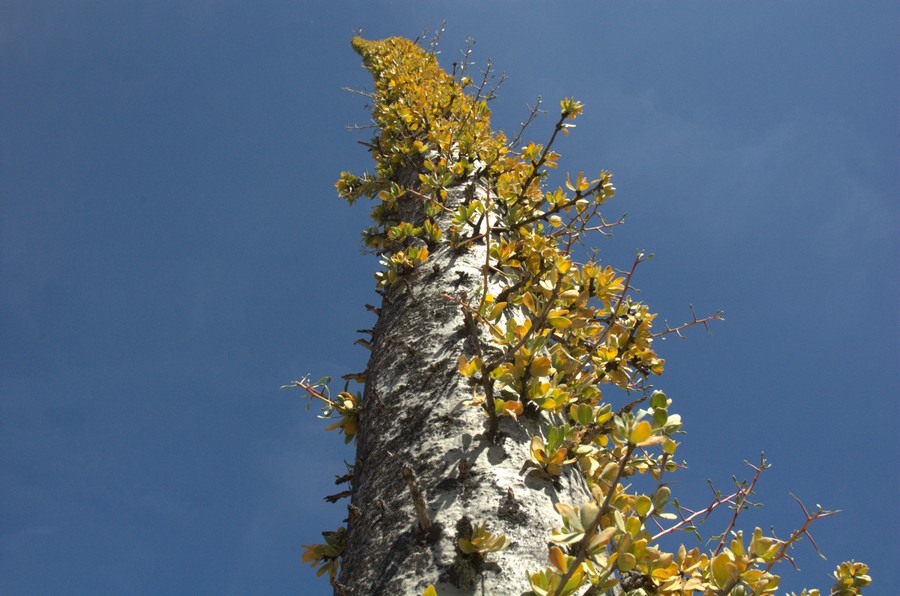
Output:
x=496 y=311
x=537 y=449
x=558 y=559
x=558 y=319
x=607 y=353
x=588 y=514
x=721 y=569
x=509 y=408
x=467 y=368
x=528 y=301
x=540 y=367
x=466 y=547
x=575 y=581
x=640 y=433
x=642 y=505
x=654 y=440
x=603 y=537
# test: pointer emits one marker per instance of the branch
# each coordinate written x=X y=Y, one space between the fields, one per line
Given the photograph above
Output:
x=800 y=533
x=742 y=500
x=487 y=246
x=606 y=225
x=704 y=512
x=363 y=93
x=536 y=165
x=718 y=315
x=314 y=393
x=534 y=112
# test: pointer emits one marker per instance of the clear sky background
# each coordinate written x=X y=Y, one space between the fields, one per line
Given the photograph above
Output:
x=172 y=251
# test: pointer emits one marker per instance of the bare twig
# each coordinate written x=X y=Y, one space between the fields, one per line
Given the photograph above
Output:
x=819 y=513
x=742 y=500
x=534 y=112
x=314 y=392
x=685 y=521
x=717 y=316
x=358 y=92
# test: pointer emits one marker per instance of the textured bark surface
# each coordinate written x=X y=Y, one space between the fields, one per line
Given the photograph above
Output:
x=413 y=414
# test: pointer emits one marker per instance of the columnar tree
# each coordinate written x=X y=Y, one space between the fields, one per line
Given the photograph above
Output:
x=509 y=437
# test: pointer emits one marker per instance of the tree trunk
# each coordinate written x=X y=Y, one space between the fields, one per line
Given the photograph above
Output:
x=414 y=415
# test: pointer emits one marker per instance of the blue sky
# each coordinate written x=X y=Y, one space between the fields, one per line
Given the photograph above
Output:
x=172 y=251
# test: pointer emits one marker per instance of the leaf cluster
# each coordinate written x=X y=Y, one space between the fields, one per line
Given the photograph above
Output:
x=482 y=541
x=326 y=556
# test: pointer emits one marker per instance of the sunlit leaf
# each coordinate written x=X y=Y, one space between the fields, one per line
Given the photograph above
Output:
x=557 y=559
x=540 y=366
x=640 y=433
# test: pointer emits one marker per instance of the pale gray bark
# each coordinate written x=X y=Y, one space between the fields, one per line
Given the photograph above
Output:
x=413 y=414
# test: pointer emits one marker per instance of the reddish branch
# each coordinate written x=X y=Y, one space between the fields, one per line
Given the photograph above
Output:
x=719 y=316
x=742 y=501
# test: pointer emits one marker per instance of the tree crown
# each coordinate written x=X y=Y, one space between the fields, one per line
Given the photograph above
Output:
x=555 y=335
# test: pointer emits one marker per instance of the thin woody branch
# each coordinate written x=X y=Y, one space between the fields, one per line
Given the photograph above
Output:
x=717 y=316
x=742 y=500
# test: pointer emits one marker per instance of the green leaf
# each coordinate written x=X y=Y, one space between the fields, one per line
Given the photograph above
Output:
x=659 y=400
x=661 y=498
x=626 y=562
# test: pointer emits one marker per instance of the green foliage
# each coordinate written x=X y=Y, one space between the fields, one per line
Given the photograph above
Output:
x=565 y=337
